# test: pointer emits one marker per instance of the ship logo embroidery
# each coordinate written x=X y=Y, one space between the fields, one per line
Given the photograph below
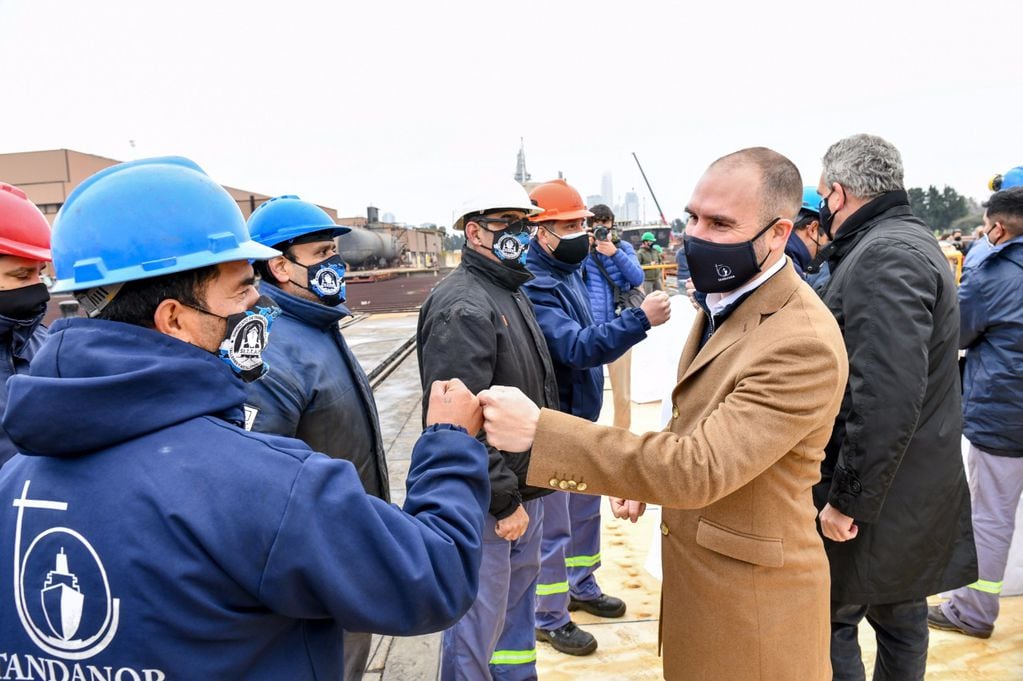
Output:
x=62 y=592
x=62 y=600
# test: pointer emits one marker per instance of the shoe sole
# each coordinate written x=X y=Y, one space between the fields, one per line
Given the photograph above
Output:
x=542 y=636
x=577 y=605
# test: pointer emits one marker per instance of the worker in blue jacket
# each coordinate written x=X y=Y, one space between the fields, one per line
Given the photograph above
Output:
x=807 y=240
x=24 y=251
x=152 y=536
x=317 y=391
x=570 y=551
x=612 y=265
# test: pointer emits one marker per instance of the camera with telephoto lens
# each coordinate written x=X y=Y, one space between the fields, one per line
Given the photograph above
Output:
x=600 y=233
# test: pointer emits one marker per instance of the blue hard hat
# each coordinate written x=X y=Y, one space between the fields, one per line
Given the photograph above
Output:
x=288 y=217
x=811 y=200
x=145 y=219
x=1013 y=178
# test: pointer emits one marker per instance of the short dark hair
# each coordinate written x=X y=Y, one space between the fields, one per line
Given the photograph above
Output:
x=602 y=212
x=137 y=301
x=781 y=187
x=804 y=219
x=1006 y=207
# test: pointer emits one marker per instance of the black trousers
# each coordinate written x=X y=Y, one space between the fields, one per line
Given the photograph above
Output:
x=901 y=632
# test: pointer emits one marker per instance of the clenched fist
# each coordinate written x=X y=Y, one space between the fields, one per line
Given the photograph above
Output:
x=625 y=508
x=510 y=418
x=657 y=307
x=451 y=402
x=514 y=526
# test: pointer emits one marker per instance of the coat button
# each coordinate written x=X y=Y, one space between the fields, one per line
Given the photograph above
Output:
x=554 y=482
x=581 y=487
x=664 y=528
x=674 y=411
x=572 y=484
x=563 y=484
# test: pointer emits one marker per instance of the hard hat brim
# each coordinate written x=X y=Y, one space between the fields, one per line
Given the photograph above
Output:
x=248 y=250
x=561 y=217
x=530 y=211
x=20 y=250
x=294 y=232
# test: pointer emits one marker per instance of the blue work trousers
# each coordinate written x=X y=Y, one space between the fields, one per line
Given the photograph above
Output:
x=570 y=554
x=496 y=638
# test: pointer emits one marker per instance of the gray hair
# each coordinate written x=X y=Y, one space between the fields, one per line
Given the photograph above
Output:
x=866 y=165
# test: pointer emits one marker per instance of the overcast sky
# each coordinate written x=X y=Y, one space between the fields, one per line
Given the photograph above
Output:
x=406 y=105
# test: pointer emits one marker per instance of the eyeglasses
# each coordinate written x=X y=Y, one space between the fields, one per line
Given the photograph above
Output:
x=512 y=226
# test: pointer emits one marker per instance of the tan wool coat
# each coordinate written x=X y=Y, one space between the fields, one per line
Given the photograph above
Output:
x=746 y=585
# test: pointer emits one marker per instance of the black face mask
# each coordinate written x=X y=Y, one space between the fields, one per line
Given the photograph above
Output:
x=245 y=338
x=326 y=280
x=571 y=249
x=827 y=217
x=25 y=303
x=717 y=268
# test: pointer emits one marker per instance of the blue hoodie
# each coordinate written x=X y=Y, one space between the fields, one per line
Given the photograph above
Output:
x=151 y=533
x=578 y=346
x=19 y=342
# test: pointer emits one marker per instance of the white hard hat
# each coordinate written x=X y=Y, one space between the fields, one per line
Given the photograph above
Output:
x=503 y=193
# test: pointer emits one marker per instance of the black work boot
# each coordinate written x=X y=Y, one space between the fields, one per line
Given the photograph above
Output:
x=605 y=606
x=936 y=620
x=568 y=639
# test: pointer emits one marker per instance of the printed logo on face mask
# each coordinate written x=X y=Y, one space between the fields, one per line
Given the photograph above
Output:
x=510 y=247
x=244 y=347
x=326 y=282
x=62 y=596
x=246 y=337
x=724 y=271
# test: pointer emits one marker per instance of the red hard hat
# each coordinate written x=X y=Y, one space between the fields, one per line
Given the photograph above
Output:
x=24 y=231
x=559 y=200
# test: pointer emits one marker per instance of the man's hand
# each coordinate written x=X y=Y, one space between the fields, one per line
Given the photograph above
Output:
x=624 y=508
x=836 y=525
x=657 y=307
x=514 y=526
x=606 y=247
x=691 y=294
x=451 y=402
x=510 y=418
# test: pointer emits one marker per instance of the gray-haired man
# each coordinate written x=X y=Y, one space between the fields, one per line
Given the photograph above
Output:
x=895 y=509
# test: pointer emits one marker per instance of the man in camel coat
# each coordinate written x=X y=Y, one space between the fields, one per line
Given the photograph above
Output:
x=746 y=582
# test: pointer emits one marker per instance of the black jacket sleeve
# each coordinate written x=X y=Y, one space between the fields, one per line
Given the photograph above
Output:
x=459 y=342
x=888 y=328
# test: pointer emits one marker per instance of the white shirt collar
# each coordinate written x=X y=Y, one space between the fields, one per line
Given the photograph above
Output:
x=716 y=302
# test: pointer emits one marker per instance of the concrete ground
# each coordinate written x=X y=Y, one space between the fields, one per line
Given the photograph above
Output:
x=628 y=646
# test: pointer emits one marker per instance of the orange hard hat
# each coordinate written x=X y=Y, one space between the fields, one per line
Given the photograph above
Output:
x=24 y=231
x=559 y=200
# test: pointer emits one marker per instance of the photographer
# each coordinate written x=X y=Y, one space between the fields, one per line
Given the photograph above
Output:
x=612 y=265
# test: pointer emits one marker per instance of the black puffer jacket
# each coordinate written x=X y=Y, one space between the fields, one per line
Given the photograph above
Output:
x=479 y=327
x=894 y=462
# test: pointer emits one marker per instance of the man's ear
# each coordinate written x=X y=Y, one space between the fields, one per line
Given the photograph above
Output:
x=543 y=238
x=472 y=233
x=278 y=268
x=174 y=319
x=779 y=234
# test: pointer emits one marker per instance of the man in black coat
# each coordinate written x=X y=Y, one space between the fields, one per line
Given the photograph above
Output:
x=895 y=508
x=479 y=326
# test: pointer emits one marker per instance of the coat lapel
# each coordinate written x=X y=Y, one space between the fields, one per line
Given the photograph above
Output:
x=765 y=301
